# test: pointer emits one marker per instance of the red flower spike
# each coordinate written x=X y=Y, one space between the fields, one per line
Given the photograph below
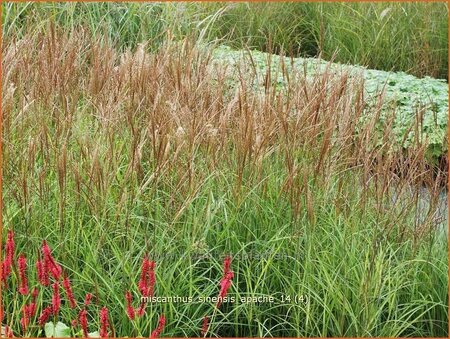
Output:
x=9 y=247
x=205 y=325
x=25 y=320
x=45 y=315
x=226 y=265
x=42 y=272
x=9 y=257
x=22 y=265
x=151 y=278
x=82 y=317
x=141 y=311
x=68 y=289
x=49 y=262
x=130 y=309
x=87 y=299
x=34 y=294
x=142 y=284
x=104 y=323
x=225 y=284
x=8 y=332
x=161 y=323
x=56 y=299
x=6 y=269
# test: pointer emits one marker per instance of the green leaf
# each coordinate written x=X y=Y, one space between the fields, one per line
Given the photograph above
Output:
x=59 y=330
x=94 y=335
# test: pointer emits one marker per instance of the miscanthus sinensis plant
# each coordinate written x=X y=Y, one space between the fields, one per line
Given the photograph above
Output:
x=112 y=157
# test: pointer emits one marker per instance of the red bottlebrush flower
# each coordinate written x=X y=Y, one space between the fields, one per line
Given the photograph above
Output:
x=225 y=284
x=142 y=284
x=6 y=269
x=130 y=309
x=8 y=332
x=9 y=257
x=205 y=326
x=104 y=323
x=45 y=315
x=42 y=272
x=49 y=261
x=74 y=322
x=151 y=279
x=226 y=265
x=87 y=299
x=68 y=289
x=56 y=299
x=141 y=310
x=56 y=270
x=25 y=320
x=34 y=294
x=32 y=309
x=9 y=247
x=2 y=313
x=82 y=317
x=147 y=280
x=161 y=323
x=22 y=264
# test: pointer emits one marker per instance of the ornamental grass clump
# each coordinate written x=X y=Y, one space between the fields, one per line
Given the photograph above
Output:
x=114 y=154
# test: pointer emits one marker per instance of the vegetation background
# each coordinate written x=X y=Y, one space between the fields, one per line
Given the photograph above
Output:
x=410 y=36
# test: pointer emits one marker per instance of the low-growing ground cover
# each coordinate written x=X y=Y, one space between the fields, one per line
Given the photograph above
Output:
x=114 y=158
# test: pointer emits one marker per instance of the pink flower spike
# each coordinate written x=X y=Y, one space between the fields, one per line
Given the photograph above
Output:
x=22 y=264
x=68 y=289
x=82 y=317
x=161 y=323
x=104 y=323
x=56 y=299
x=45 y=315
x=42 y=272
x=9 y=257
x=205 y=325
x=226 y=265
x=225 y=284
x=142 y=284
x=130 y=309
x=87 y=299
x=8 y=332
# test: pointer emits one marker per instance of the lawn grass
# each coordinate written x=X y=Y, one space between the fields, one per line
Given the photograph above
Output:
x=112 y=155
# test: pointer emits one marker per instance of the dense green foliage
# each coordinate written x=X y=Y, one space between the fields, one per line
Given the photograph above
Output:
x=410 y=37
